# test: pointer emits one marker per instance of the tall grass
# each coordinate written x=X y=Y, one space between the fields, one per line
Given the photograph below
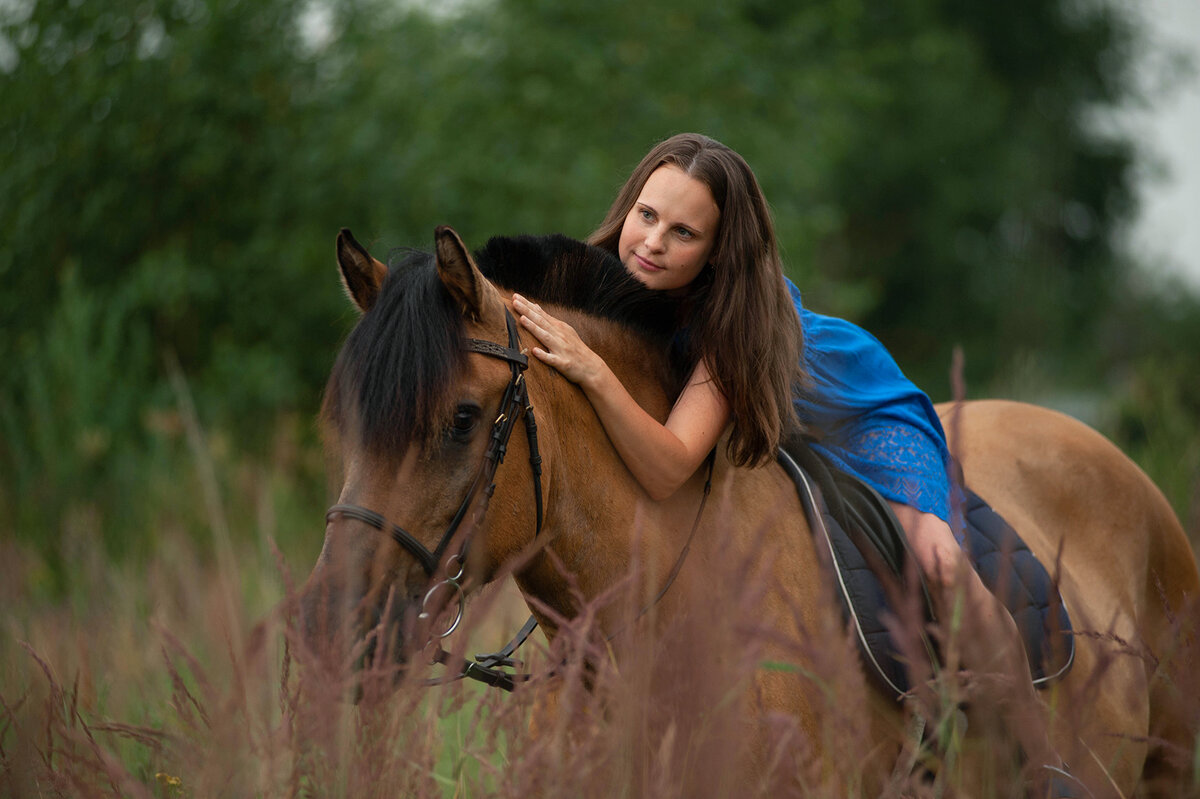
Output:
x=181 y=674
x=187 y=678
x=152 y=691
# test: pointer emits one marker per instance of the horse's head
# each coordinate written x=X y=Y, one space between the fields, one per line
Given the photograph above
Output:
x=420 y=406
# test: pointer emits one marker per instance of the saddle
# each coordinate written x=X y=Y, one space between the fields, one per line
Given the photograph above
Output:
x=869 y=552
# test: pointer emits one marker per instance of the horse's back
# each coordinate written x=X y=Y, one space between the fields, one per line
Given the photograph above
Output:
x=1062 y=484
x=1123 y=562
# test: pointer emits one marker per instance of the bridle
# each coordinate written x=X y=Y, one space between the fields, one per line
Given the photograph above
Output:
x=488 y=668
x=514 y=404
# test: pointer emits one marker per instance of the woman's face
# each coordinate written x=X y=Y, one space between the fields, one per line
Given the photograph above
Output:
x=670 y=231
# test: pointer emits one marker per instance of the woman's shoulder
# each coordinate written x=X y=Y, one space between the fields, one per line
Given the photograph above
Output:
x=793 y=291
x=829 y=332
x=794 y=294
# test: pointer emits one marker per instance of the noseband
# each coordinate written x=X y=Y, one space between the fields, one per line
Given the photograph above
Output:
x=514 y=402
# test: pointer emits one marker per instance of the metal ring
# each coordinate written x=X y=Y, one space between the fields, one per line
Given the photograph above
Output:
x=424 y=614
x=462 y=567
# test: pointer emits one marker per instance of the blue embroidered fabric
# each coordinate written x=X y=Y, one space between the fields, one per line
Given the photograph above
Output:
x=870 y=419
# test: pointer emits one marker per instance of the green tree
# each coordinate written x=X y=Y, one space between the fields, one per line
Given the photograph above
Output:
x=159 y=202
x=173 y=172
x=979 y=203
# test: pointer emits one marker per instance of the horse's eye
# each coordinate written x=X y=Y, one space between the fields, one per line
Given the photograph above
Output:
x=466 y=418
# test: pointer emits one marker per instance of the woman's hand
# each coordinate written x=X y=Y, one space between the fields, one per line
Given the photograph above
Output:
x=661 y=456
x=561 y=346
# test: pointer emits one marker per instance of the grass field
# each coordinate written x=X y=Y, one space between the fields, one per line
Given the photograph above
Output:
x=171 y=675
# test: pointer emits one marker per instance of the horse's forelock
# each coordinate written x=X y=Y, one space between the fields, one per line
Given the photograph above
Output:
x=391 y=384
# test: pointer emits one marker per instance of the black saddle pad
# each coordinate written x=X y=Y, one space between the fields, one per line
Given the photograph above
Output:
x=859 y=529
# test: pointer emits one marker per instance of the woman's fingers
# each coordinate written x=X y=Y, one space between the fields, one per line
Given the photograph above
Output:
x=544 y=326
x=561 y=346
x=539 y=331
x=526 y=307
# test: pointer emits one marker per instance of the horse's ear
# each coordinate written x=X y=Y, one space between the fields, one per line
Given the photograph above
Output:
x=470 y=289
x=362 y=275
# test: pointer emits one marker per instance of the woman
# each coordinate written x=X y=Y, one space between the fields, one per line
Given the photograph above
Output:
x=693 y=220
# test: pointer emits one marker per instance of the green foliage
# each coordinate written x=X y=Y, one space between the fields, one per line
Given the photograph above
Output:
x=1157 y=418
x=977 y=202
x=173 y=173
x=151 y=190
x=153 y=147
x=82 y=387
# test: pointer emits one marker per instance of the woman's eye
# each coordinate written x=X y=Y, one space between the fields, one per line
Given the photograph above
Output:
x=684 y=233
x=646 y=215
x=466 y=418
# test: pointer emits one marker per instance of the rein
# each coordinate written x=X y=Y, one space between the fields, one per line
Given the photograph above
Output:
x=486 y=668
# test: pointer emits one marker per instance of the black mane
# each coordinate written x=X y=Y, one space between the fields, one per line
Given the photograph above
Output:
x=563 y=271
x=392 y=381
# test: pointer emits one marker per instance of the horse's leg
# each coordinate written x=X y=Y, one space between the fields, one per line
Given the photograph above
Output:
x=1172 y=630
x=544 y=715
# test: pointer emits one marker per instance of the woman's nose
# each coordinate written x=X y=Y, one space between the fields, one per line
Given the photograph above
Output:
x=654 y=238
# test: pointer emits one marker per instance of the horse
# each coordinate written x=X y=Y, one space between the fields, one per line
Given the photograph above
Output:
x=435 y=357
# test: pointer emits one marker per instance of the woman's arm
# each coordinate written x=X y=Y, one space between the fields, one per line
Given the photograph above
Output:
x=661 y=456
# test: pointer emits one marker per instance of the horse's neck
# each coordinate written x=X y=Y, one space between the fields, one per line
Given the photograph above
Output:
x=599 y=518
x=751 y=548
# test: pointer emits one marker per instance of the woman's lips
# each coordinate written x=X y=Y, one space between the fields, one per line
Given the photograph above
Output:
x=647 y=265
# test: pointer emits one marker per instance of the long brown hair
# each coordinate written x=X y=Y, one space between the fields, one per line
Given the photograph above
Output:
x=742 y=320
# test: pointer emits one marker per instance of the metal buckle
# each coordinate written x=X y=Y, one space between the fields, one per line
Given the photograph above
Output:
x=453 y=582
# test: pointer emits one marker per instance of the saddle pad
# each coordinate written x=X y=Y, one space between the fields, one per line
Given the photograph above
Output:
x=859 y=529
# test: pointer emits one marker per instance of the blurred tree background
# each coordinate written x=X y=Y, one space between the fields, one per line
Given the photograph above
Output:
x=173 y=174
